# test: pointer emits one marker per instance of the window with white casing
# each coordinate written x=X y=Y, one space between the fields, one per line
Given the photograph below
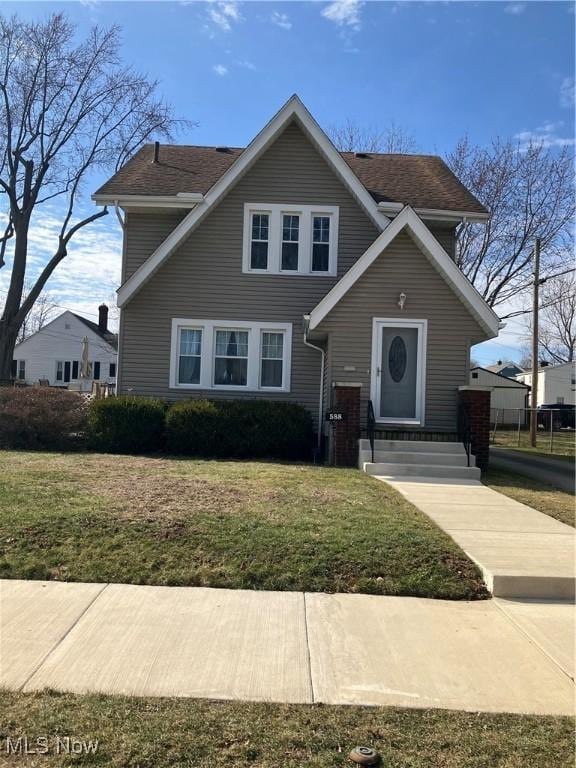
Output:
x=290 y=239
x=230 y=355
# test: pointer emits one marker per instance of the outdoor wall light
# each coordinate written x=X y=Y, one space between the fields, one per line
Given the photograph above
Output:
x=402 y=300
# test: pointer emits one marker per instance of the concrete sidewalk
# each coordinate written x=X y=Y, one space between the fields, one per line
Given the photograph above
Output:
x=522 y=553
x=493 y=656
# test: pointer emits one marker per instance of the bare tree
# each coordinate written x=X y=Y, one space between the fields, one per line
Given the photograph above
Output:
x=65 y=109
x=557 y=321
x=42 y=311
x=351 y=137
x=529 y=191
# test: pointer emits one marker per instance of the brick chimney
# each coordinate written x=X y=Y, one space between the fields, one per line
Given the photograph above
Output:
x=103 y=318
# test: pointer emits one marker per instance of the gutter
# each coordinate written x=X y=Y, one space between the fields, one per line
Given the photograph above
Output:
x=436 y=214
x=181 y=200
x=322 y=366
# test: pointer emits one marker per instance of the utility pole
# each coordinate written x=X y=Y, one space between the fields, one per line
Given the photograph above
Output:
x=535 y=300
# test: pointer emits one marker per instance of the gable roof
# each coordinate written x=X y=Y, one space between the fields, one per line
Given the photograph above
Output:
x=513 y=382
x=408 y=219
x=110 y=338
x=293 y=110
x=107 y=336
x=498 y=367
x=421 y=181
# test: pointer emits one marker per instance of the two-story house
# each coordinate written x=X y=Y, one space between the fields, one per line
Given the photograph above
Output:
x=278 y=270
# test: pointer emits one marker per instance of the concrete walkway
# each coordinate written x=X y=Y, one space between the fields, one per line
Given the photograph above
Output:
x=493 y=656
x=547 y=469
x=522 y=553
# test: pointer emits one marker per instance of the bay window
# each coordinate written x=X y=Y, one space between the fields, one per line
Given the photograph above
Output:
x=235 y=355
x=290 y=239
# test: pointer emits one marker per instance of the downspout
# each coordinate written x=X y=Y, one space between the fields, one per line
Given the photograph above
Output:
x=118 y=214
x=322 y=365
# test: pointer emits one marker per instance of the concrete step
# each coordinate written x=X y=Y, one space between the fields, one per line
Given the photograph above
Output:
x=412 y=446
x=387 y=469
x=417 y=457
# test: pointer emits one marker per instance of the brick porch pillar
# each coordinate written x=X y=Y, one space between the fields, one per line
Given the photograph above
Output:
x=476 y=402
x=347 y=433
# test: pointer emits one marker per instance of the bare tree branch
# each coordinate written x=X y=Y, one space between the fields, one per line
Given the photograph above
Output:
x=66 y=107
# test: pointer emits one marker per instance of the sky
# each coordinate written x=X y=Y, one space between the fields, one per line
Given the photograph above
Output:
x=437 y=69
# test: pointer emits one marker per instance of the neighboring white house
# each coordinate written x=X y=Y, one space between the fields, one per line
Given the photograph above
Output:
x=556 y=383
x=507 y=397
x=54 y=353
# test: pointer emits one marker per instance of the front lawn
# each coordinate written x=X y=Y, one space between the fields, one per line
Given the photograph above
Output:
x=158 y=733
x=541 y=496
x=252 y=525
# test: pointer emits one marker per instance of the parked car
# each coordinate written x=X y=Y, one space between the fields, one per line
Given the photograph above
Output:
x=562 y=413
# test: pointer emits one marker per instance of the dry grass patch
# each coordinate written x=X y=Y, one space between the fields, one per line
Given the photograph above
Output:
x=158 y=733
x=541 y=496
x=252 y=525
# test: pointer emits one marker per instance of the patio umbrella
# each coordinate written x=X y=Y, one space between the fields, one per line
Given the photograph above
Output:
x=84 y=372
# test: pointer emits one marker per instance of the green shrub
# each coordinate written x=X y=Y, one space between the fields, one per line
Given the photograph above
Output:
x=126 y=425
x=239 y=429
x=41 y=417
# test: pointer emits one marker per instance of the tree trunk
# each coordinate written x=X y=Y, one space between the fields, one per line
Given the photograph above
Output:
x=7 y=343
x=9 y=325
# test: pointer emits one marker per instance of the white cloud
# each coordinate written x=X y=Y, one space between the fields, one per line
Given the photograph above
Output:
x=567 y=93
x=515 y=9
x=546 y=135
x=88 y=275
x=344 y=13
x=223 y=14
x=247 y=65
x=281 y=20
x=220 y=69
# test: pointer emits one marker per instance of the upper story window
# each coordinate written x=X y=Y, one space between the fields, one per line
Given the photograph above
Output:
x=290 y=239
x=259 y=242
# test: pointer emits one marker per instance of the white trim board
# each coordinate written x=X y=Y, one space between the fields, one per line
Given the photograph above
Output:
x=294 y=109
x=375 y=381
x=463 y=288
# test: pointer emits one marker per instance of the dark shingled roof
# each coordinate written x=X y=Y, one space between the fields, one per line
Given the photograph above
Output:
x=107 y=336
x=422 y=181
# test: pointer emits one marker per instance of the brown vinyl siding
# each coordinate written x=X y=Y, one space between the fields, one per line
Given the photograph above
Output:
x=204 y=279
x=144 y=232
x=403 y=268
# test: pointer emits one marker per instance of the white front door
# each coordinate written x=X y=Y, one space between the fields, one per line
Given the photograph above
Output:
x=398 y=370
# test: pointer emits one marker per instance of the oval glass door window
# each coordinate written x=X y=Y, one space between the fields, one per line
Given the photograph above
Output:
x=397 y=359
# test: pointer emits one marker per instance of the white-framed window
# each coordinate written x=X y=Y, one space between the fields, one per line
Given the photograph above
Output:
x=230 y=358
x=259 y=240
x=290 y=239
x=230 y=355
x=271 y=359
x=189 y=356
x=22 y=370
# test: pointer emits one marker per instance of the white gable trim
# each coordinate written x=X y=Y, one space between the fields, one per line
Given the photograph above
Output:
x=486 y=316
x=293 y=109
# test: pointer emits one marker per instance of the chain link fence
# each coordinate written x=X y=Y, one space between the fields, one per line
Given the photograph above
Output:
x=556 y=434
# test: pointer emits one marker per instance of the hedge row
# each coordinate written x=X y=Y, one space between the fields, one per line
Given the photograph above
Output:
x=52 y=418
